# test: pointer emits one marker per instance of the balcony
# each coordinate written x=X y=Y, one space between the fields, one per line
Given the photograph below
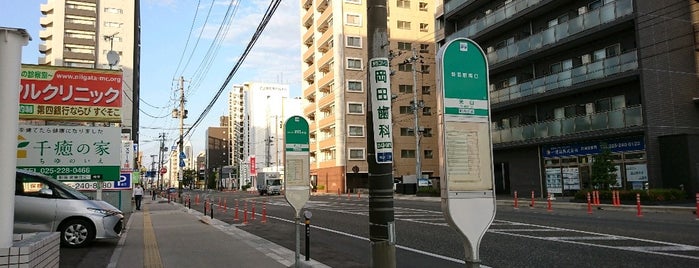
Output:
x=326 y=60
x=46 y=9
x=325 y=20
x=308 y=19
x=501 y=14
x=325 y=80
x=45 y=34
x=308 y=37
x=321 y=5
x=617 y=119
x=309 y=54
x=43 y=48
x=79 y=41
x=310 y=90
x=590 y=20
x=325 y=41
x=309 y=71
x=78 y=55
x=326 y=99
x=80 y=26
x=565 y=79
x=454 y=4
x=45 y=22
x=309 y=109
x=327 y=143
x=70 y=11
x=307 y=4
x=310 y=79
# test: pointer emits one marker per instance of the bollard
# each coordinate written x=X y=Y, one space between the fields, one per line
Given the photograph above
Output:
x=638 y=205
x=359 y=195
x=189 y=203
x=236 y=218
x=252 y=216
x=225 y=205
x=589 y=204
x=516 y=203
x=264 y=212
x=548 y=200
x=532 y=204
x=348 y=195
x=617 y=199
x=338 y=192
x=697 y=211
x=245 y=213
x=211 y=211
x=206 y=207
x=196 y=200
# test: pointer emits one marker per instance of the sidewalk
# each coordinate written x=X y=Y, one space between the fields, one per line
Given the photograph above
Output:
x=166 y=234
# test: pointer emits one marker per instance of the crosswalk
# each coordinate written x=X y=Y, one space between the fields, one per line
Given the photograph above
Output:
x=518 y=229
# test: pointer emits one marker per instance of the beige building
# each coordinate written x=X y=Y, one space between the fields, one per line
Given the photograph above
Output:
x=80 y=33
x=334 y=54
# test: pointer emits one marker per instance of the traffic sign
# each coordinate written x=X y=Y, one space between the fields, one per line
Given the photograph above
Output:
x=163 y=170
x=465 y=142
x=297 y=167
x=124 y=181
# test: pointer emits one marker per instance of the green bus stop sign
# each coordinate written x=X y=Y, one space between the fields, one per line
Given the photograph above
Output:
x=296 y=134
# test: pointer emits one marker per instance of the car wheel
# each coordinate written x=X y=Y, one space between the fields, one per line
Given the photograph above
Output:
x=76 y=233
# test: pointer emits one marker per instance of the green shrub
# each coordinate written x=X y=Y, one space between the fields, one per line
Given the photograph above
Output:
x=321 y=187
x=427 y=191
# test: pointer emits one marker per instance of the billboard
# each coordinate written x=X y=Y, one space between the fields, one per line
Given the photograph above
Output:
x=70 y=153
x=70 y=94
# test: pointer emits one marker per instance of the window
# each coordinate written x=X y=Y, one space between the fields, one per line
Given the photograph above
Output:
x=404 y=25
x=405 y=67
x=425 y=69
x=427 y=132
x=426 y=90
x=407 y=153
x=355 y=108
x=428 y=154
x=354 y=64
x=355 y=131
x=423 y=6
x=613 y=50
x=405 y=110
x=427 y=111
x=354 y=41
x=356 y=154
x=404 y=131
x=599 y=54
x=405 y=88
x=354 y=86
x=424 y=48
x=353 y=19
x=403 y=3
x=423 y=27
x=353 y=1
x=405 y=46
x=602 y=105
x=112 y=24
x=113 y=10
x=618 y=102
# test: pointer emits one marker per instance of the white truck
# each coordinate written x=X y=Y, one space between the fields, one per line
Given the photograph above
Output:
x=269 y=182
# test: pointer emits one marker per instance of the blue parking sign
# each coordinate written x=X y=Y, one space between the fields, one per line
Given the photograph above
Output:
x=124 y=181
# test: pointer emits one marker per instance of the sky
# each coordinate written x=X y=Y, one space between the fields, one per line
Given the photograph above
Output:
x=166 y=26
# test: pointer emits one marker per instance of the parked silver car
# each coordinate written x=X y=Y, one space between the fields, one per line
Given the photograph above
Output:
x=43 y=204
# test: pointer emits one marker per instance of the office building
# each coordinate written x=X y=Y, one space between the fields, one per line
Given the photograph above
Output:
x=571 y=78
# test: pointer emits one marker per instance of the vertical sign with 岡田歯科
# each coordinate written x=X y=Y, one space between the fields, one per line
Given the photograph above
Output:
x=468 y=195
x=379 y=71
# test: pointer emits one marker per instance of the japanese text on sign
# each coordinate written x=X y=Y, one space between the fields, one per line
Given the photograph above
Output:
x=381 y=105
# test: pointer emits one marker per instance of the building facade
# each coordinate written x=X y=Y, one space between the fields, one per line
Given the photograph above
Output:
x=80 y=33
x=334 y=70
x=569 y=79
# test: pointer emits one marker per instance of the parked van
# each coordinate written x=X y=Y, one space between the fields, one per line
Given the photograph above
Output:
x=43 y=204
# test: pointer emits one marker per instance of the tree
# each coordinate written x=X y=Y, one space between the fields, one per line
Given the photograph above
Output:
x=211 y=181
x=189 y=177
x=603 y=170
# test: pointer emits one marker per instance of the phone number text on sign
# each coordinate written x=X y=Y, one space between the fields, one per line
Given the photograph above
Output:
x=90 y=185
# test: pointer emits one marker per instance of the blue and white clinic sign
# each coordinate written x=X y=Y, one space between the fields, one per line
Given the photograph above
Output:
x=124 y=181
x=626 y=144
x=379 y=71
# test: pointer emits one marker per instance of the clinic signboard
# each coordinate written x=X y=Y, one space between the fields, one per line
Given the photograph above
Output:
x=379 y=71
x=70 y=94
x=70 y=153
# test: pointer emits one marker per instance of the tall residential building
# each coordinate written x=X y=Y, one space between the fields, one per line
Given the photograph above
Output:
x=257 y=114
x=335 y=54
x=80 y=33
x=571 y=78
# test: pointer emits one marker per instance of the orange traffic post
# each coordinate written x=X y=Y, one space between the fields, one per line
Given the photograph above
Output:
x=348 y=195
x=264 y=212
x=359 y=195
x=225 y=205
x=589 y=204
x=252 y=215
x=196 y=200
x=697 y=212
x=548 y=200
x=532 y=204
x=516 y=205
x=235 y=217
x=638 y=205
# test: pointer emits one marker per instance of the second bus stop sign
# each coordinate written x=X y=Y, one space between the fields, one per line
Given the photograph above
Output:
x=468 y=199
x=297 y=165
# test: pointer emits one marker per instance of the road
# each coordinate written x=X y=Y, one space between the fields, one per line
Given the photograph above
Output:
x=518 y=238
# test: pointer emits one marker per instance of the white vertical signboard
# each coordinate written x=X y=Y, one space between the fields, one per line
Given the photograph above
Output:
x=379 y=69
x=468 y=195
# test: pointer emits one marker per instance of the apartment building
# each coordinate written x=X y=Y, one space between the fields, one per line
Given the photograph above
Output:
x=571 y=78
x=257 y=115
x=334 y=69
x=80 y=33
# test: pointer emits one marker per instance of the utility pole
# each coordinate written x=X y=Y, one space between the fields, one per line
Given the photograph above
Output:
x=416 y=107
x=160 y=159
x=180 y=154
x=152 y=167
x=381 y=215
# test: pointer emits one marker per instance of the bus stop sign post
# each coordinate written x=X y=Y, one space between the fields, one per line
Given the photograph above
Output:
x=297 y=169
x=468 y=196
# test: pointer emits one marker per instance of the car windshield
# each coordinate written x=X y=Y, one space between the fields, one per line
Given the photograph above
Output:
x=63 y=187
x=275 y=182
